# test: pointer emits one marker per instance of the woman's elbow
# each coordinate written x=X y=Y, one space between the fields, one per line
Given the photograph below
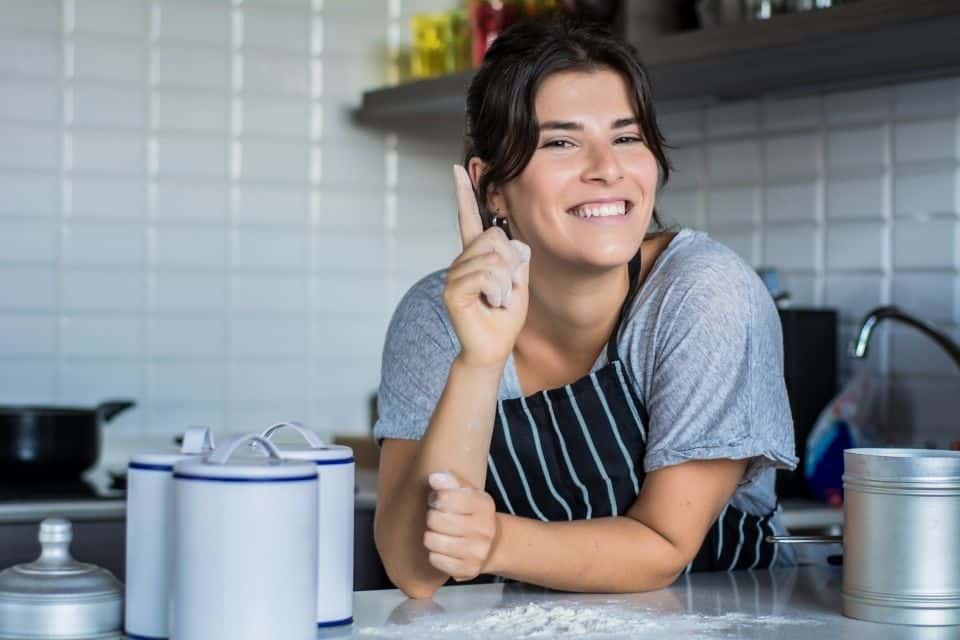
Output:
x=413 y=586
x=404 y=578
x=417 y=590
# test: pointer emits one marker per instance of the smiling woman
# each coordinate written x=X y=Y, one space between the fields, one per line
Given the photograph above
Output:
x=576 y=402
x=587 y=157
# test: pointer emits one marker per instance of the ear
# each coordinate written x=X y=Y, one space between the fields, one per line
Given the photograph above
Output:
x=476 y=168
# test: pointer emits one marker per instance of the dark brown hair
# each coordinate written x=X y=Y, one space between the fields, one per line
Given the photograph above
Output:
x=501 y=121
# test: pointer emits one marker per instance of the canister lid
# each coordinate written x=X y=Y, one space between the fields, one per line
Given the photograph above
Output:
x=248 y=465
x=313 y=449
x=56 y=596
x=901 y=465
x=197 y=441
x=158 y=461
x=324 y=454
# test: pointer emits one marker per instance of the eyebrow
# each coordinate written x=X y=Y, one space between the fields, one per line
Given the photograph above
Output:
x=620 y=123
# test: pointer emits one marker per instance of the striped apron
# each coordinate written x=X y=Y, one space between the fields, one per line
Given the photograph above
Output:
x=577 y=452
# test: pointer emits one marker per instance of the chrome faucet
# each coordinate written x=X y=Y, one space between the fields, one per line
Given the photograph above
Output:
x=858 y=348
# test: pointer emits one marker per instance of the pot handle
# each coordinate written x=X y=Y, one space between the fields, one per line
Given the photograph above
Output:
x=222 y=453
x=107 y=410
x=804 y=539
x=312 y=439
x=197 y=439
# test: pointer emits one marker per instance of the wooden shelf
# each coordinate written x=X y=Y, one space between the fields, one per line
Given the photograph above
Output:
x=864 y=43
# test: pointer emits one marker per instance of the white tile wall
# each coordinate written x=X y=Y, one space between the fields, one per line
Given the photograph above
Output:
x=859 y=206
x=189 y=216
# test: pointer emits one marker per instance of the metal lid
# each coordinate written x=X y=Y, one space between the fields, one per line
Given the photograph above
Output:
x=915 y=466
x=314 y=449
x=55 y=596
x=219 y=465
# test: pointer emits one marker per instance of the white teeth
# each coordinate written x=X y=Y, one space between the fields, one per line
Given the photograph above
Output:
x=592 y=211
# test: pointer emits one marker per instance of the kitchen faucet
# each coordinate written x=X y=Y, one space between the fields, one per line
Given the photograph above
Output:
x=858 y=348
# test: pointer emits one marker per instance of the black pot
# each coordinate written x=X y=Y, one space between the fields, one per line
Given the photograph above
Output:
x=52 y=443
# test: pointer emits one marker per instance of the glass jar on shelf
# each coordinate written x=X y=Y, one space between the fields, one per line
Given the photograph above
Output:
x=441 y=43
x=488 y=19
x=458 y=56
x=428 y=55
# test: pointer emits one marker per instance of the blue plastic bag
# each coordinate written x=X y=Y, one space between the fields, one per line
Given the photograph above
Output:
x=848 y=421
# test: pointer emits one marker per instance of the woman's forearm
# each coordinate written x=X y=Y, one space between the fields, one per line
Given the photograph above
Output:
x=457 y=440
x=609 y=555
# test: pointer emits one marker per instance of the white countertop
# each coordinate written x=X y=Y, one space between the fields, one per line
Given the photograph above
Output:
x=788 y=604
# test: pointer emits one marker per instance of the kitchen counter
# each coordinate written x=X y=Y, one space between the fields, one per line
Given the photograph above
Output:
x=111 y=505
x=789 y=604
x=797 y=514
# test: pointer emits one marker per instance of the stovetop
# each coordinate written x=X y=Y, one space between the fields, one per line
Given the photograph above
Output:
x=96 y=485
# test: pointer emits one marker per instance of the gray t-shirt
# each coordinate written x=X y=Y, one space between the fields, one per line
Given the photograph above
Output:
x=703 y=345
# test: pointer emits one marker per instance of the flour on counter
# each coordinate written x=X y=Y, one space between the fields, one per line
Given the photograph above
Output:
x=553 y=620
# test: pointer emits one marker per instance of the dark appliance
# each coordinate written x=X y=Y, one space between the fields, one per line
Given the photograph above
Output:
x=810 y=370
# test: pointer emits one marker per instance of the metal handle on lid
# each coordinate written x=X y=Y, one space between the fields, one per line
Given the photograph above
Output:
x=55 y=536
x=222 y=453
x=197 y=440
x=312 y=439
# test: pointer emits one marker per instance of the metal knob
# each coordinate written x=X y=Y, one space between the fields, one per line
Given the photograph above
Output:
x=55 y=536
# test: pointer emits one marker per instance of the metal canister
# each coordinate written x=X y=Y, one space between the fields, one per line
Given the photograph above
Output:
x=57 y=597
x=902 y=530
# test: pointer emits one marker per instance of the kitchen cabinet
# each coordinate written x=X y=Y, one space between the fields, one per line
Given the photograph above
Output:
x=862 y=43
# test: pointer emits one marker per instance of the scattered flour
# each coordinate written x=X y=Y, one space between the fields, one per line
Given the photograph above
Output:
x=553 y=620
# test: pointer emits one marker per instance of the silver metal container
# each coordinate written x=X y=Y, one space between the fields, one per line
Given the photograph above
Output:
x=902 y=536
x=57 y=597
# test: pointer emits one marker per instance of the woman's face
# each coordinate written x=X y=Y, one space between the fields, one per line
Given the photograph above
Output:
x=587 y=195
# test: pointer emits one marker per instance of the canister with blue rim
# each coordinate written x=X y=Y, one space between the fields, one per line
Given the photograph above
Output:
x=149 y=534
x=245 y=550
x=335 y=510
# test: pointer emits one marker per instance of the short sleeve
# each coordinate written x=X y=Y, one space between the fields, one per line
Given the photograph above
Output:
x=716 y=388
x=419 y=349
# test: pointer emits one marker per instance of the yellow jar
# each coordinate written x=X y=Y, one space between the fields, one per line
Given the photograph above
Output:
x=430 y=34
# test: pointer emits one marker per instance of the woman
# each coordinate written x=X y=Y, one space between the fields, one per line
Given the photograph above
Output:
x=577 y=403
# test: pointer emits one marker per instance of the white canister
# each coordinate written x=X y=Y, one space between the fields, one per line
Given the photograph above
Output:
x=336 y=477
x=150 y=534
x=245 y=554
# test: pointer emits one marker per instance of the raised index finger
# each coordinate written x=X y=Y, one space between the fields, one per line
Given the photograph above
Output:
x=469 y=214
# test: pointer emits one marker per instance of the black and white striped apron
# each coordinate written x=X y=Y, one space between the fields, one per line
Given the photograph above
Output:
x=577 y=452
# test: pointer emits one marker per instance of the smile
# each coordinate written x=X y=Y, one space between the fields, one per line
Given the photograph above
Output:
x=611 y=209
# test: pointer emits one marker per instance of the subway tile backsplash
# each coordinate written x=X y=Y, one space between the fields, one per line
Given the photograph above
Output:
x=860 y=205
x=190 y=217
x=175 y=223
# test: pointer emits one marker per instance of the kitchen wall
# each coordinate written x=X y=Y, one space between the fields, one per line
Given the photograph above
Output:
x=854 y=195
x=188 y=216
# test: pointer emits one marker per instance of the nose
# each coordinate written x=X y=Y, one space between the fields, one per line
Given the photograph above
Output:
x=603 y=166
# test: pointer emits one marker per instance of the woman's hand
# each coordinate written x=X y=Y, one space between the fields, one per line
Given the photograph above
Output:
x=486 y=291
x=461 y=527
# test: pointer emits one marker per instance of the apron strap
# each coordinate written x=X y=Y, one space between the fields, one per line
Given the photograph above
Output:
x=634 y=275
